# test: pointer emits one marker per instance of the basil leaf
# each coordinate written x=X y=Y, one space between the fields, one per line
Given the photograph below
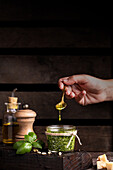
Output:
x=41 y=142
x=25 y=147
x=28 y=138
x=18 y=144
x=37 y=145
x=33 y=135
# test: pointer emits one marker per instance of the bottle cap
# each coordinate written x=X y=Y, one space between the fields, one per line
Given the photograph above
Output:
x=13 y=101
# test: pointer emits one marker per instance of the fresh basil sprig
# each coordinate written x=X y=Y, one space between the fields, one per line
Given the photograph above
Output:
x=30 y=140
x=25 y=147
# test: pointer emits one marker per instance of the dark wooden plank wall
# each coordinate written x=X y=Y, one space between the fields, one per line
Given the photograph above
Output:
x=40 y=44
x=76 y=37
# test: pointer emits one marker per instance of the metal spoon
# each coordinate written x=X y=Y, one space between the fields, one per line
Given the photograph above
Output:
x=62 y=105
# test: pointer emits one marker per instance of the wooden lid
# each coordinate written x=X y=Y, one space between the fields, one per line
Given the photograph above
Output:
x=25 y=113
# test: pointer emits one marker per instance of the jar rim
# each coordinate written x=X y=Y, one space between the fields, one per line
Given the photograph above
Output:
x=60 y=127
x=12 y=104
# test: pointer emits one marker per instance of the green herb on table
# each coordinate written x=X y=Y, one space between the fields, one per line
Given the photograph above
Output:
x=30 y=140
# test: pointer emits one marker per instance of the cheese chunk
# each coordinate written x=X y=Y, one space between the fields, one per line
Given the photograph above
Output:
x=101 y=164
x=101 y=161
x=109 y=165
x=102 y=158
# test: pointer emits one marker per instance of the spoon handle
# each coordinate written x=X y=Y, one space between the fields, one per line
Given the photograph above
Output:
x=63 y=95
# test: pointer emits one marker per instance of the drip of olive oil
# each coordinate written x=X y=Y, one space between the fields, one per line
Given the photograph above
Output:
x=59 y=115
x=59 y=107
x=9 y=131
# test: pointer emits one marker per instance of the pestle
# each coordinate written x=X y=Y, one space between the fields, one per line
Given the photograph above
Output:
x=25 y=119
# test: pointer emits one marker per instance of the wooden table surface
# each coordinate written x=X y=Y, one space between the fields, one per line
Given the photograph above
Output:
x=9 y=160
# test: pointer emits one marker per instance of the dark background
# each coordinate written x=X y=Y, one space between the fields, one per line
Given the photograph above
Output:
x=40 y=43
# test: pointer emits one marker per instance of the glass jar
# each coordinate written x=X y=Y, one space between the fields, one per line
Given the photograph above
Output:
x=61 y=138
x=10 y=125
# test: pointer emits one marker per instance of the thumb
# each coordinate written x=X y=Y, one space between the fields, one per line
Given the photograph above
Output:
x=69 y=81
x=78 y=79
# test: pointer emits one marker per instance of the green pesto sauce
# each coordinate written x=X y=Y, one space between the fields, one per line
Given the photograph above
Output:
x=59 y=143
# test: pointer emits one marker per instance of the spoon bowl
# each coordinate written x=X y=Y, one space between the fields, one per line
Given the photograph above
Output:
x=60 y=106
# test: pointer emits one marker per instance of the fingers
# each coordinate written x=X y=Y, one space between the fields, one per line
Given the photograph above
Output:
x=68 y=90
x=79 y=95
x=75 y=79
x=66 y=81
x=71 y=96
x=69 y=81
x=81 y=98
x=73 y=88
x=69 y=93
x=61 y=82
x=72 y=91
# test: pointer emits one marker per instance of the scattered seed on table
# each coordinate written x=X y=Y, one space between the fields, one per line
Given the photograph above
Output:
x=39 y=152
x=49 y=153
x=44 y=153
x=35 y=150
x=60 y=153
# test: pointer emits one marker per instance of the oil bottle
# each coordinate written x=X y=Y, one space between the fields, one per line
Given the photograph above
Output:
x=10 y=125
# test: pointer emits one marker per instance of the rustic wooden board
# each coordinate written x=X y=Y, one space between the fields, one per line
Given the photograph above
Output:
x=77 y=160
x=48 y=69
x=26 y=161
x=78 y=37
x=43 y=103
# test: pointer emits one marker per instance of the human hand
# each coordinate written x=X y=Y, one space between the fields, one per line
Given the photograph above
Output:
x=85 y=89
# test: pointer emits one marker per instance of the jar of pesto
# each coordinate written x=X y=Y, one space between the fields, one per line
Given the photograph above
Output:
x=61 y=138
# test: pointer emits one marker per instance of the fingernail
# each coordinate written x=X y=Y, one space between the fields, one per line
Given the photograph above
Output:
x=84 y=92
x=65 y=80
x=67 y=92
x=61 y=86
x=73 y=95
